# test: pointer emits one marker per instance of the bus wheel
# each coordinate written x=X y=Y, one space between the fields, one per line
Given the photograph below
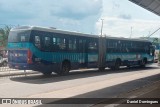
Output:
x=47 y=73
x=101 y=68
x=143 y=63
x=65 y=68
x=112 y=68
x=117 y=65
x=128 y=66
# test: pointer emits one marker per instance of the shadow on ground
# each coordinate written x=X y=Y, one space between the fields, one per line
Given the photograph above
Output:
x=104 y=96
x=40 y=79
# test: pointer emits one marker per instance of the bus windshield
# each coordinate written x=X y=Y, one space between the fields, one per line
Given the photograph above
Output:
x=19 y=36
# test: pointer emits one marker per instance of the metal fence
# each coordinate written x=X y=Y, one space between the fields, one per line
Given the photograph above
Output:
x=6 y=69
x=9 y=72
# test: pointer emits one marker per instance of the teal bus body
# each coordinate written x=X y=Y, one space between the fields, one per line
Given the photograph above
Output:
x=129 y=59
x=51 y=60
x=49 y=51
x=53 y=56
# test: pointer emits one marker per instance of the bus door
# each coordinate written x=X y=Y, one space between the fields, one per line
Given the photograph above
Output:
x=102 y=52
x=83 y=53
x=92 y=50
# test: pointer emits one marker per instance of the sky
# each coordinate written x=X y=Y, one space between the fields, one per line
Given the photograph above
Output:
x=121 y=18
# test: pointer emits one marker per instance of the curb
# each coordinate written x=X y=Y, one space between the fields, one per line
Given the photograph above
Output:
x=17 y=74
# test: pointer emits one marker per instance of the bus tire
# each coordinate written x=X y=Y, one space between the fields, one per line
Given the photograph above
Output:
x=143 y=62
x=66 y=67
x=101 y=68
x=128 y=66
x=47 y=73
x=112 y=68
x=117 y=64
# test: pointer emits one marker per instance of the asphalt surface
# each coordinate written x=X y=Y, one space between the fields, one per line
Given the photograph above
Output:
x=82 y=84
x=117 y=91
x=8 y=72
x=141 y=88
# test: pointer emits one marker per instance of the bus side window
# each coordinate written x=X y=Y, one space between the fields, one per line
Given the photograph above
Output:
x=82 y=46
x=72 y=44
x=61 y=43
x=23 y=38
x=54 y=41
x=93 y=46
x=47 y=43
x=54 y=44
x=37 y=42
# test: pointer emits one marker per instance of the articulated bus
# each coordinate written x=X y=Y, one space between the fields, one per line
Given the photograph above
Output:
x=50 y=50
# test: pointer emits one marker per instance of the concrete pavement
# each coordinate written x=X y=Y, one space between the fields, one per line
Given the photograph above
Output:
x=84 y=84
x=5 y=72
x=85 y=88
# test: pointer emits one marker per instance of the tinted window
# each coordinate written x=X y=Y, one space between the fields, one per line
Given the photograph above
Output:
x=37 y=41
x=82 y=46
x=72 y=44
x=92 y=45
x=47 y=41
x=19 y=36
x=61 y=43
x=54 y=41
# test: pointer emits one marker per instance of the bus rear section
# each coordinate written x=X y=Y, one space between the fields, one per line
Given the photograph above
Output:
x=19 y=54
x=20 y=59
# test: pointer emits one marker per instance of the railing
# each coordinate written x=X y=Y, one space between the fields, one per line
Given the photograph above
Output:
x=6 y=69
x=9 y=72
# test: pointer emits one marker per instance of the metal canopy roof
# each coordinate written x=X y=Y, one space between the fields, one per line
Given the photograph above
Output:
x=151 y=5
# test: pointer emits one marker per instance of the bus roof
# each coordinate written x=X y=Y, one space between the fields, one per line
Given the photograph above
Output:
x=52 y=29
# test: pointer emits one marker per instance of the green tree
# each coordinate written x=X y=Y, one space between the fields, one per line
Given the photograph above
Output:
x=4 y=32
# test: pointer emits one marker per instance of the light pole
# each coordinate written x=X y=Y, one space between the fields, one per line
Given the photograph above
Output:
x=131 y=31
x=102 y=27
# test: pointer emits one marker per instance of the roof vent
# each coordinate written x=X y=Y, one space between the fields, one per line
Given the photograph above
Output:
x=52 y=27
